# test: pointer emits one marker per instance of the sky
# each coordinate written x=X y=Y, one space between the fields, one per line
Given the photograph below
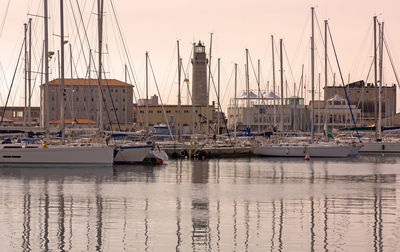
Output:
x=155 y=26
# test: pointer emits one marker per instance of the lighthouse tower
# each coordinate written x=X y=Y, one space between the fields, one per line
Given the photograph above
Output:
x=199 y=86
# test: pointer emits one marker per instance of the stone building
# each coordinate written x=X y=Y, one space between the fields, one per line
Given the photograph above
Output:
x=189 y=117
x=337 y=112
x=14 y=116
x=365 y=97
x=81 y=98
x=261 y=115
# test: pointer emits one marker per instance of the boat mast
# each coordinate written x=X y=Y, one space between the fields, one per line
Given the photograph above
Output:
x=326 y=82
x=319 y=102
x=312 y=74
x=46 y=67
x=208 y=88
x=381 y=26
x=178 y=128
x=281 y=69
x=100 y=5
x=62 y=84
x=147 y=94
x=30 y=73
x=302 y=87
x=236 y=112
x=273 y=77
x=247 y=86
x=89 y=76
x=25 y=73
x=72 y=86
x=126 y=102
x=259 y=93
x=375 y=79
x=218 y=95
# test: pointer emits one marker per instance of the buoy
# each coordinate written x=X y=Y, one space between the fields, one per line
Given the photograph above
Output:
x=203 y=157
x=159 y=161
x=307 y=157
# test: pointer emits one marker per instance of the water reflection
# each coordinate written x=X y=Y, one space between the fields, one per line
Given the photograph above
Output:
x=200 y=206
x=216 y=205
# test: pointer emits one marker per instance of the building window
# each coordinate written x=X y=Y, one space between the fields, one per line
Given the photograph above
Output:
x=123 y=109
x=84 y=98
x=92 y=99
x=116 y=90
x=77 y=99
x=141 y=112
x=151 y=111
x=91 y=90
x=186 y=111
x=123 y=90
x=168 y=111
x=52 y=98
x=159 y=111
x=123 y=99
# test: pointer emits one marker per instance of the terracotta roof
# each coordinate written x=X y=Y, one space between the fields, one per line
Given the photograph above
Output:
x=77 y=121
x=91 y=82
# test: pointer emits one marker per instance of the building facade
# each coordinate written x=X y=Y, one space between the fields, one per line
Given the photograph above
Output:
x=14 y=116
x=81 y=100
x=365 y=97
x=337 y=112
x=189 y=118
x=260 y=115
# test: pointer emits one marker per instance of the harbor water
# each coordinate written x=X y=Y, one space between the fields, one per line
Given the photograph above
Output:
x=248 y=204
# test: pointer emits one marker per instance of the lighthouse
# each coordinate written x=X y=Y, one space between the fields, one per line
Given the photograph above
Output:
x=199 y=86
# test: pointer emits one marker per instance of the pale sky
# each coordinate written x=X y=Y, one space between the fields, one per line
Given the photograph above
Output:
x=155 y=26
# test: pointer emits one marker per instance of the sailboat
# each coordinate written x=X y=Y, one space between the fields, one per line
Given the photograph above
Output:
x=307 y=149
x=37 y=153
x=28 y=152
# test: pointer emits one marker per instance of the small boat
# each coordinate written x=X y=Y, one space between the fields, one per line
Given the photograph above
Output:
x=131 y=152
x=323 y=150
x=156 y=156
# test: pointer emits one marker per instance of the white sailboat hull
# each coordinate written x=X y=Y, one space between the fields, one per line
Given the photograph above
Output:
x=380 y=147
x=312 y=150
x=57 y=154
x=132 y=154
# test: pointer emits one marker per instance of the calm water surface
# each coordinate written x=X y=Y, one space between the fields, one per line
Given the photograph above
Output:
x=217 y=205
